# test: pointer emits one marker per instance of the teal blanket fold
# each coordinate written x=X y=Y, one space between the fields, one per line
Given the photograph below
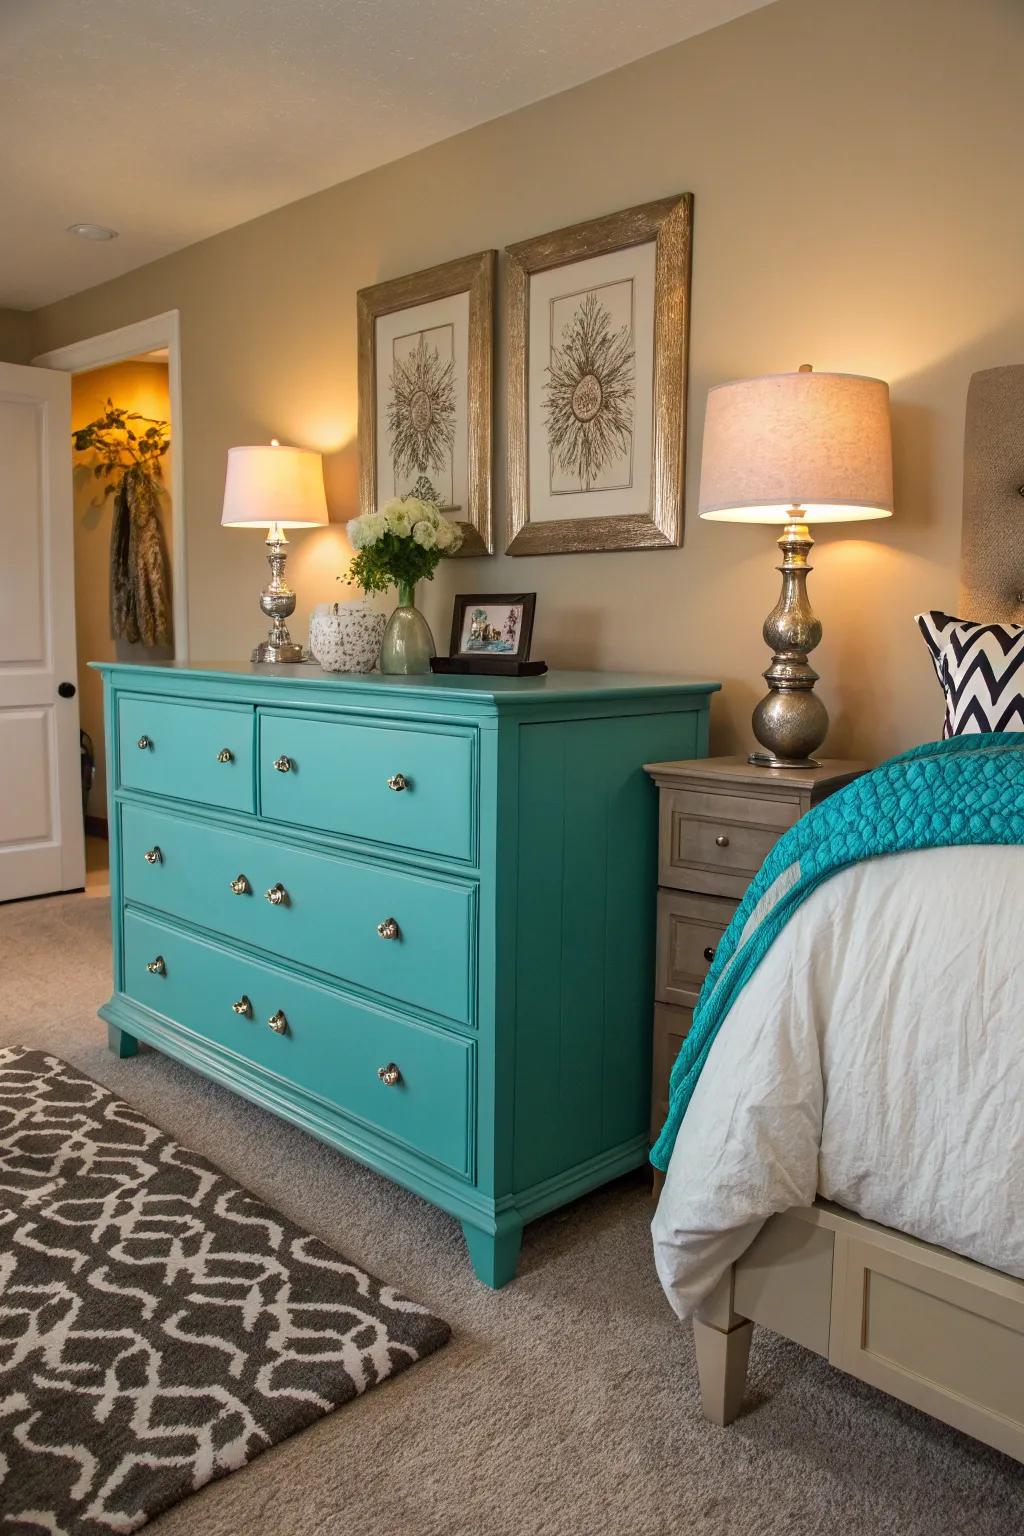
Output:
x=945 y=794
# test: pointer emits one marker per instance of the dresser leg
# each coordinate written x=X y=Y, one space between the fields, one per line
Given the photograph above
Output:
x=495 y=1255
x=120 y=1042
x=722 y=1368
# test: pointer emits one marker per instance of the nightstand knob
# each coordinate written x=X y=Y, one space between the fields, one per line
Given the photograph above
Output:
x=279 y=1024
x=388 y=929
x=153 y=855
x=398 y=782
x=156 y=967
x=225 y=755
x=243 y=1007
x=389 y=1075
x=709 y=954
x=283 y=764
x=143 y=743
x=277 y=895
x=721 y=841
x=240 y=885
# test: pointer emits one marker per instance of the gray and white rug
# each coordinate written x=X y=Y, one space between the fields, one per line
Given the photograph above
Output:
x=159 y=1326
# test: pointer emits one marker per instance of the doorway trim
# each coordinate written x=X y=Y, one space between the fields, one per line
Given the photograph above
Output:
x=115 y=347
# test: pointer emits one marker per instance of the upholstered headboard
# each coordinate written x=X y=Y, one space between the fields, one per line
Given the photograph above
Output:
x=992 y=562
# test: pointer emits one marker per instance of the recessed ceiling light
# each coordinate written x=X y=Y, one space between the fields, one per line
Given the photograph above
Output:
x=92 y=231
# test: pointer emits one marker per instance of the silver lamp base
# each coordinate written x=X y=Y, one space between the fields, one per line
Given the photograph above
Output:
x=277 y=601
x=791 y=722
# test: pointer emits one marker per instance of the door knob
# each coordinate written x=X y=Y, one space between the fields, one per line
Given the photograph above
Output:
x=66 y=690
x=143 y=743
x=225 y=755
x=277 y=895
x=389 y=1075
x=721 y=841
x=153 y=855
x=279 y=1024
x=243 y=1007
x=398 y=782
x=240 y=885
x=156 y=967
x=283 y=764
x=388 y=929
x=709 y=954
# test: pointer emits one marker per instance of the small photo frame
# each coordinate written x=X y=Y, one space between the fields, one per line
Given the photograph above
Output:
x=493 y=626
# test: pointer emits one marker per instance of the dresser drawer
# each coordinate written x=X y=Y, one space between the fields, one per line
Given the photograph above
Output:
x=327 y=912
x=406 y=786
x=717 y=843
x=671 y=1027
x=332 y=1047
x=689 y=928
x=188 y=751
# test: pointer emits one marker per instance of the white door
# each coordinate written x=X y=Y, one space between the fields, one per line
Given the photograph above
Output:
x=42 y=847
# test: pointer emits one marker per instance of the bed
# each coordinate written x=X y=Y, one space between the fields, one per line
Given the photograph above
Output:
x=850 y=1170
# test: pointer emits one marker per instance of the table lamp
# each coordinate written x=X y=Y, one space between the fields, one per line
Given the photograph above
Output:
x=275 y=488
x=795 y=448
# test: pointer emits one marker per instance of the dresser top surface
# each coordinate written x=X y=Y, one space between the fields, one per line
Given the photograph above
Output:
x=560 y=684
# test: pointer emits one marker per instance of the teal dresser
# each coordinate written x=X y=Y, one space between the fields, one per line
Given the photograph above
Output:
x=415 y=916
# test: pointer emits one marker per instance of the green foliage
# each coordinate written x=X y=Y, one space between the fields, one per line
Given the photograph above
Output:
x=121 y=440
x=392 y=562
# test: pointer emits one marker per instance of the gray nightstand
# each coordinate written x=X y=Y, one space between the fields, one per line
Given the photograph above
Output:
x=718 y=818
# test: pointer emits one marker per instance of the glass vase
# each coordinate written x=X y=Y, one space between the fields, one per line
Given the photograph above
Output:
x=407 y=645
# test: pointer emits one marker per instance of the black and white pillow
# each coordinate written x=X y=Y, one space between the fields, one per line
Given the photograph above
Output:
x=981 y=669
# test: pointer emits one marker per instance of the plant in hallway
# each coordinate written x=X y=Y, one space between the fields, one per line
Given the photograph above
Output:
x=129 y=448
x=398 y=546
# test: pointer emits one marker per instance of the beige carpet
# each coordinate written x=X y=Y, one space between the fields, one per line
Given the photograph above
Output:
x=564 y=1405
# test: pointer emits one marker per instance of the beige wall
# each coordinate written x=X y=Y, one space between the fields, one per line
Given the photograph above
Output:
x=141 y=387
x=16 y=332
x=856 y=166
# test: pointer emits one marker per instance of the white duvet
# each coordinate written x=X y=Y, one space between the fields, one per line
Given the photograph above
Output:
x=876 y=1057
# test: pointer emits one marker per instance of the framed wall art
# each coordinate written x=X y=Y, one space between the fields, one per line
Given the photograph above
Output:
x=597 y=359
x=425 y=392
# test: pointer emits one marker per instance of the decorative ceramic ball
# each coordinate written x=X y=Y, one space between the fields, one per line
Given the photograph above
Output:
x=345 y=637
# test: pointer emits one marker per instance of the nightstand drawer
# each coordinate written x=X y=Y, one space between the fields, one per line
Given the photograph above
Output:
x=671 y=1027
x=717 y=843
x=199 y=752
x=316 y=909
x=329 y=1046
x=689 y=929
x=386 y=783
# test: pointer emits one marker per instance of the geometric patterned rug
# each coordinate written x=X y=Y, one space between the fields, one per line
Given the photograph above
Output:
x=159 y=1327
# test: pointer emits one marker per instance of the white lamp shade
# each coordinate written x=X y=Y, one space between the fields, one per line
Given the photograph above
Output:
x=818 y=441
x=270 y=484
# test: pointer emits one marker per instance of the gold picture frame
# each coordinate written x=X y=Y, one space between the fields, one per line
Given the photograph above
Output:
x=666 y=224
x=473 y=276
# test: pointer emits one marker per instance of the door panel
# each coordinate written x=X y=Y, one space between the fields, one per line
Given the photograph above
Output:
x=42 y=846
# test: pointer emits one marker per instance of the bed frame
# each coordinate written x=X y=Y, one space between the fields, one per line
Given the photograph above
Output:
x=931 y=1328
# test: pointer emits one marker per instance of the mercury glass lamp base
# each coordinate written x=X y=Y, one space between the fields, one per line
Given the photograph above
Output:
x=266 y=651
x=769 y=760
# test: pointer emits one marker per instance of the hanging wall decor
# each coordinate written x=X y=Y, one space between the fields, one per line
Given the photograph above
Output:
x=598 y=319
x=425 y=393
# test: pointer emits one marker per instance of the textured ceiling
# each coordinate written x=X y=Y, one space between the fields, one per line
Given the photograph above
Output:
x=169 y=120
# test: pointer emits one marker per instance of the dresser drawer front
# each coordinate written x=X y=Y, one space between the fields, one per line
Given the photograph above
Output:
x=671 y=1027
x=689 y=929
x=407 y=787
x=717 y=843
x=328 y=910
x=187 y=751
x=332 y=1046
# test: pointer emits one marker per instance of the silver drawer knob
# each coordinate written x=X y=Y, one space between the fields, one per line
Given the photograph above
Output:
x=153 y=855
x=709 y=954
x=156 y=967
x=721 y=841
x=283 y=764
x=240 y=886
x=143 y=743
x=243 y=1007
x=389 y=1075
x=277 y=895
x=225 y=755
x=388 y=929
x=398 y=782
x=278 y=1023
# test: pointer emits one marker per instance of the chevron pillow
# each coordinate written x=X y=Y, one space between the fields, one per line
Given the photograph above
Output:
x=981 y=669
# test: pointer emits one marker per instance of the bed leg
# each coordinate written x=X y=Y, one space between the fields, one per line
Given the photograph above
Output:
x=722 y=1355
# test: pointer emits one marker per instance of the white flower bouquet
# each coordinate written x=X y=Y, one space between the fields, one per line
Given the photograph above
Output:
x=400 y=545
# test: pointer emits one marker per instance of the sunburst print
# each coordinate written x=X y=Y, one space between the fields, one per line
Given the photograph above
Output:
x=421 y=411
x=590 y=394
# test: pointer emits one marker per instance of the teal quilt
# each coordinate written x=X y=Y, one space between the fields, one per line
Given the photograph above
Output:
x=945 y=794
